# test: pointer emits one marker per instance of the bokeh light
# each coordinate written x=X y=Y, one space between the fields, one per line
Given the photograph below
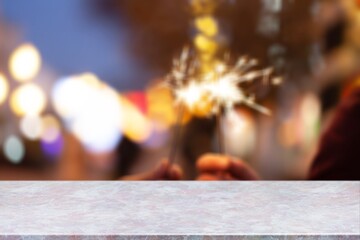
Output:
x=310 y=114
x=207 y=25
x=4 y=88
x=71 y=94
x=31 y=127
x=51 y=129
x=160 y=106
x=25 y=63
x=205 y=44
x=28 y=99
x=53 y=148
x=91 y=110
x=135 y=125
x=14 y=149
x=240 y=133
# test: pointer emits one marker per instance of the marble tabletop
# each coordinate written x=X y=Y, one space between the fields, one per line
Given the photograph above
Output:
x=116 y=208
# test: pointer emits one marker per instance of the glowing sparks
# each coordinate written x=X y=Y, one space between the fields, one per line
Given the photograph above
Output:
x=224 y=87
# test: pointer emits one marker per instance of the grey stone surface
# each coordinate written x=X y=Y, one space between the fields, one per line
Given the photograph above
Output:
x=184 y=210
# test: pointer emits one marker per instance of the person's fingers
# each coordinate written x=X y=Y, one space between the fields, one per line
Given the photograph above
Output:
x=208 y=177
x=174 y=172
x=242 y=171
x=237 y=169
x=213 y=163
x=160 y=172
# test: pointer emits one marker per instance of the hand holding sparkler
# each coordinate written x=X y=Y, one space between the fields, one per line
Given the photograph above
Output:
x=218 y=167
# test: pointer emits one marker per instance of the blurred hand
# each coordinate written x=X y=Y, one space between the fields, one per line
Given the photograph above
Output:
x=163 y=171
x=220 y=167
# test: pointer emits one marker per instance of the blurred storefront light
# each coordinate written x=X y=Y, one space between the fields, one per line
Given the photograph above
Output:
x=4 y=88
x=28 y=99
x=25 y=63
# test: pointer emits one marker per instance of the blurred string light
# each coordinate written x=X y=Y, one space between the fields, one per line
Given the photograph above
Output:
x=25 y=63
x=91 y=110
x=28 y=99
x=14 y=149
x=4 y=88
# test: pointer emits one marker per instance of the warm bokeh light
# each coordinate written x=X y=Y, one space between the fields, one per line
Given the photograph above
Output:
x=160 y=106
x=205 y=44
x=31 y=127
x=239 y=133
x=310 y=113
x=51 y=129
x=25 y=63
x=14 y=149
x=28 y=99
x=91 y=110
x=207 y=25
x=4 y=88
x=135 y=125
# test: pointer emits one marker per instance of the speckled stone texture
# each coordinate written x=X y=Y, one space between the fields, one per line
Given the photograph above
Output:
x=180 y=210
x=164 y=237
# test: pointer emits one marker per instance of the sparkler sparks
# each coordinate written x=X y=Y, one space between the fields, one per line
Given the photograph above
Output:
x=222 y=88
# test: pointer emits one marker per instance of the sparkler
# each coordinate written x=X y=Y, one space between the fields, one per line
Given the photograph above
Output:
x=204 y=85
x=207 y=94
x=221 y=87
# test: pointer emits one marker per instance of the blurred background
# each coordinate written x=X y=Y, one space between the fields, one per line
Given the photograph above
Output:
x=80 y=94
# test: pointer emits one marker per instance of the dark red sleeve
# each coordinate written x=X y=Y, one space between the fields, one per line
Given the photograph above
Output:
x=338 y=157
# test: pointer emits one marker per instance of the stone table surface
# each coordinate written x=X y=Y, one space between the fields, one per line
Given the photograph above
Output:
x=179 y=208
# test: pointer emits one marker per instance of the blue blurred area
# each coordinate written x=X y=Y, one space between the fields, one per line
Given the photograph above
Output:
x=73 y=39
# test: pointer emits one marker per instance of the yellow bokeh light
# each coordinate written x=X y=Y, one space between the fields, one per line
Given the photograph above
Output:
x=203 y=6
x=25 y=63
x=160 y=107
x=4 y=88
x=205 y=44
x=91 y=79
x=28 y=99
x=207 y=25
